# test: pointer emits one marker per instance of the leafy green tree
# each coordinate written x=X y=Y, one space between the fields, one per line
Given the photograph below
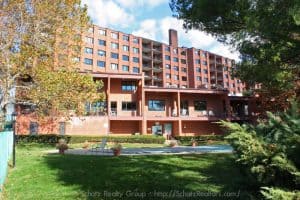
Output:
x=270 y=151
x=265 y=32
x=40 y=43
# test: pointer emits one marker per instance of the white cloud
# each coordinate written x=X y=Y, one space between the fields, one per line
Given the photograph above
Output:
x=147 y=29
x=108 y=13
x=119 y=14
x=140 y=3
x=194 y=38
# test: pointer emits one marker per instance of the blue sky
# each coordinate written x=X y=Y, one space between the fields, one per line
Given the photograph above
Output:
x=150 y=19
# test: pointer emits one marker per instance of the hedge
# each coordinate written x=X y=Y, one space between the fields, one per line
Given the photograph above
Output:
x=199 y=138
x=52 y=138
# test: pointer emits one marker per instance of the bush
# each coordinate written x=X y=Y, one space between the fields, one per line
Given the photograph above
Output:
x=199 y=139
x=53 y=139
x=270 y=150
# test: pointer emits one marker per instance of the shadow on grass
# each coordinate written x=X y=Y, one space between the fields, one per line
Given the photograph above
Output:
x=208 y=176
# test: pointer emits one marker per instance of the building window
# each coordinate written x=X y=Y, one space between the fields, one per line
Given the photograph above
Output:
x=125 y=58
x=114 y=45
x=175 y=51
x=114 y=55
x=114 y=35
x=184 y=78
x=168 y=76
x=204 y=62
x=156 y=105
x=197 y=61
x=183 y=69
x=204 y=54
x=101 y=53
x=198 y=78
x=176 y=68
x=198 y=69
x=205 y=71
x=102 y=42
x=128 y=106
x=100 y=63
x=183 y=61
x=226 y=75
x=76 y=59
x=125 y=48
x=197 y=53
x=125 y=37
x=200 y=105
x=175 y=59
x=91 y=30
x=128 y=85
x=135 y=70
x=183 y=53
x=135 y=59
x=167 y=49
x=125 y=68
x=88 y=61
x=135 y=40
x=176 y=77
x=168 y=66
x=89 y=40
x=135 y=50
x=225 y=68
x=102 y=32
x=205 y=80
x=88 y=50
x=167 y=57
x=114 y=66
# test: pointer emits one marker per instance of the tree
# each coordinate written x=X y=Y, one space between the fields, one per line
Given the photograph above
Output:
x=265 y=32
x=40 y=42
x=269 y=151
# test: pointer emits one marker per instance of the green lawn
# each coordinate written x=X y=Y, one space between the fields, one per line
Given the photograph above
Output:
x=51 y=176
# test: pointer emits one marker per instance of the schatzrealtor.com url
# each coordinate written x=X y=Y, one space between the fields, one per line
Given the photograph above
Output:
x=162 y=194
x=135 y=194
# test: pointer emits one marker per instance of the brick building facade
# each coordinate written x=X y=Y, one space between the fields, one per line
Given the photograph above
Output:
x=153 y=88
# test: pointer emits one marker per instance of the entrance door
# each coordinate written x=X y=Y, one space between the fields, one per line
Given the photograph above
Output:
x=113 y=108
x=157 y=130
x=168 y=130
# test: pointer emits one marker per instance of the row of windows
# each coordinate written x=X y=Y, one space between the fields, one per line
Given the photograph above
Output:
x=176 y=77
x=113 y=45
x=176 y=68
x=113 y=66
x=175 y=51
x=198 y=61
x=159 y=105
x=113 y=35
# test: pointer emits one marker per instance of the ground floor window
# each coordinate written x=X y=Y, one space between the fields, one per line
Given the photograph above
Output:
x=128 y=106
x=156 y=105
x=200 y=105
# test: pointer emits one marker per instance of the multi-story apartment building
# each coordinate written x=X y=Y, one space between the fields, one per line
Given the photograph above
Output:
x=155 y=88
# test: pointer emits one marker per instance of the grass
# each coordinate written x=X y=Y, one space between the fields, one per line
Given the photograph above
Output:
x=39 y=175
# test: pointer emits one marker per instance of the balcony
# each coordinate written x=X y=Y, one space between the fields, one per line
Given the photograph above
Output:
x=156 y=79
x=146 y=49
x=184 y=112
x=146 y=68
x=146 y=56
x=147 y=77
x=156 y=49
x=157 y=60
x=157 y=69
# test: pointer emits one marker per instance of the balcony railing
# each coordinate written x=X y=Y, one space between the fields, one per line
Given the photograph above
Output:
x=146 y=57
x=157 y=69
x=146 y=68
